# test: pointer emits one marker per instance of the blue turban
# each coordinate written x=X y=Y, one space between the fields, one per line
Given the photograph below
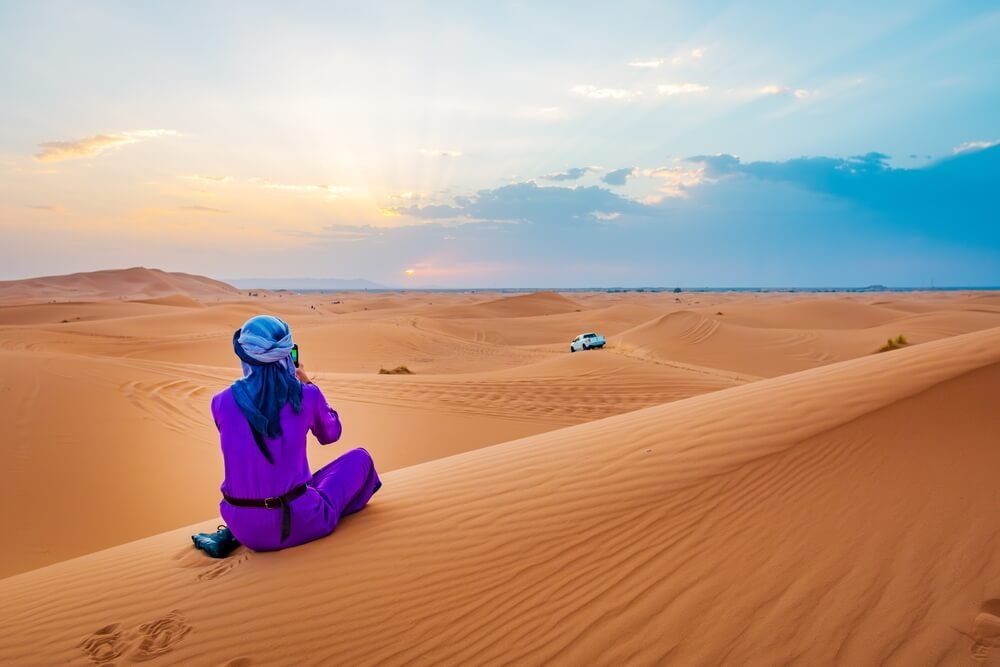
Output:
x=264 y=345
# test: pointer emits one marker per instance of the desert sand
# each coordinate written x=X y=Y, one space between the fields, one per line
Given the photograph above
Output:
x=738 y=478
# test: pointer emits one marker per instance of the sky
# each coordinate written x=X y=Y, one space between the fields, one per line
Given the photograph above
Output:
x=504 y=144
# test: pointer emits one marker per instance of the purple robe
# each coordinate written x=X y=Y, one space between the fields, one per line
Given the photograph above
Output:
x=339 y=488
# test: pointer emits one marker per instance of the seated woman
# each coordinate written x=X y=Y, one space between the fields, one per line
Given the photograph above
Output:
x=270 y=500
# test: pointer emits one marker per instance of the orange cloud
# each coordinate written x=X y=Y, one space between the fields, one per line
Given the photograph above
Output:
x=675 y=181
x=56 y=151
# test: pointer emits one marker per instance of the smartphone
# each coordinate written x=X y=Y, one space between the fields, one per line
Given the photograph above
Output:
x=295 y=355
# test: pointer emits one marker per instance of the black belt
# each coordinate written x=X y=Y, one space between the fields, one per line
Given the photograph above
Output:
x=273 y=503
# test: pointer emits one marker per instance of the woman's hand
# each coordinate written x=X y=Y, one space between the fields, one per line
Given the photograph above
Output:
x=300 y=373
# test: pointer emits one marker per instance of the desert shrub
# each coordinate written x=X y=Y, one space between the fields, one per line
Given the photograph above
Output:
x=398 y=370
x=894 y=343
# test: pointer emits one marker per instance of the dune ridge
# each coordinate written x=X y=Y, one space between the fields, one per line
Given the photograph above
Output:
x=519 y=305
x=715 y=341
x=136 y=283
x=784 y=521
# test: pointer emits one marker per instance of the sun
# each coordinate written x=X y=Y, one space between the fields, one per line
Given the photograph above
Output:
x=409 y=272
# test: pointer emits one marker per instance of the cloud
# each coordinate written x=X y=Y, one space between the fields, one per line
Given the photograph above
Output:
x=210 y=178
x=774 y=90
x=719 y=164
x=681 y=88
x=202 y=209
x=605 y=217
x=331 y=191
x=826 y=174
x=431 y=212
x=651 y=63
x=618 y=176
x=810 y=220
x=971 y=146
x=439 y=152
x=48 y=208
x=546 y=113
x=656 y=63
x=944 y=191
x=596 y=93
x=55 y=151
x=675 y=180
x=529 y=202
x=570 y=174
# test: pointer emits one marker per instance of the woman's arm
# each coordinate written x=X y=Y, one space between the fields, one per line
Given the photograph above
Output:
x=326 y=423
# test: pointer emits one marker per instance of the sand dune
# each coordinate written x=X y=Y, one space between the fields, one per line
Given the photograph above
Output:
x=837 y=313
x=643 y=504
x=786 y=521
x=127 y=448
x=556 y=393
x=714 y=341
x=933 y=301
x=135 y=283
x=177 y=300
x=521 y=305
x=96 y=378
x=556 y=329
x=985 y=299
x=72 y=311
x=113 y=410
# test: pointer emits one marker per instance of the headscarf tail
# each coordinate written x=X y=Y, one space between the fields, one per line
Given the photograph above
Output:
x=264 y=345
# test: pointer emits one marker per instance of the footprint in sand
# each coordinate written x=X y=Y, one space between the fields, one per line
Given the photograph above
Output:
x=986 y=630
x=159 y=636
x=210 y=568
x=148 y=641
x=104 y=645
x=239 y=662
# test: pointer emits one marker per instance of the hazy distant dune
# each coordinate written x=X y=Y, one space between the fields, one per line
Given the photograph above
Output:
x=135 y=283
x=521 y=305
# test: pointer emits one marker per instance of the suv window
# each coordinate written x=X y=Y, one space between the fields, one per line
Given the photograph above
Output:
x=590 y=335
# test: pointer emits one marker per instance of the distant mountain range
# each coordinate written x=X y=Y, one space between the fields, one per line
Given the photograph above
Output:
x=305 y=283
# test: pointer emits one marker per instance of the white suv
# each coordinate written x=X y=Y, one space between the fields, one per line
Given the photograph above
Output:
x=587 y=341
